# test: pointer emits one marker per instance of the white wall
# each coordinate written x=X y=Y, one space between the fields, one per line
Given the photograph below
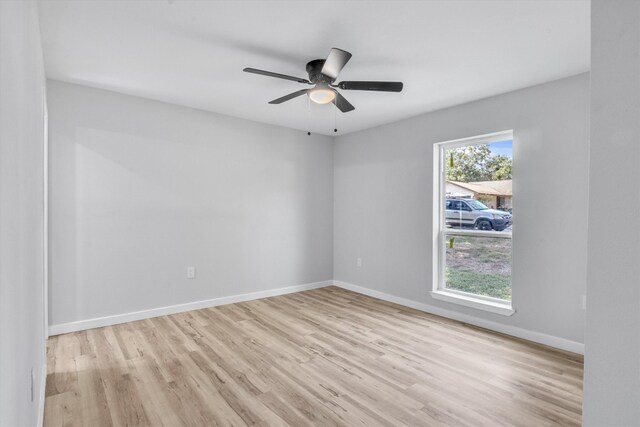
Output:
x=383 y=203
x=612 y=338
x=139 y=190
x=22 y=323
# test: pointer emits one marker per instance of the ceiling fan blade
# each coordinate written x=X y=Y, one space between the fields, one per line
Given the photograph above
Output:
x=377 y=86
x=335 y=62
x=276 y=75
x=342 y=104
x=290 y=96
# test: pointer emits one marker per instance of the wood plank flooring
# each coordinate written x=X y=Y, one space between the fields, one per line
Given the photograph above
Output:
x=325 y=357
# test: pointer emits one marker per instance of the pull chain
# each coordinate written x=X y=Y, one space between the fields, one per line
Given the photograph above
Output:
x=309 y=114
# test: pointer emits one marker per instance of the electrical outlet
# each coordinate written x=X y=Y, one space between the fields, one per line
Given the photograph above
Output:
x=191 y=272
x=584 y=302
x=359 y=262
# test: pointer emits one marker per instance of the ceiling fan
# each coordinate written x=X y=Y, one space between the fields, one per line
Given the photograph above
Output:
x=322 y=74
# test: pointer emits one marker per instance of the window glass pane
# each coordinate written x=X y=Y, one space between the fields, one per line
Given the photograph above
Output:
x=478 y=187
x=479 y=265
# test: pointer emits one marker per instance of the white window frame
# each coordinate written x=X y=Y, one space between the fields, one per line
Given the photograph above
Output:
x=440 y=233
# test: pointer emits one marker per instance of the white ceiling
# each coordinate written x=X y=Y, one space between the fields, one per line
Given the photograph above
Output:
x=192 y=52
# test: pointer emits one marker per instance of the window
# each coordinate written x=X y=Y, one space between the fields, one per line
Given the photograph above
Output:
x=473 y=222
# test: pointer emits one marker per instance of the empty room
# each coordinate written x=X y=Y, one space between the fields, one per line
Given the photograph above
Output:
x=319 y=213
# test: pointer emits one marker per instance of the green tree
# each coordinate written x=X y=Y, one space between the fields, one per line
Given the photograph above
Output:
x=476 y=163
x=499 y=167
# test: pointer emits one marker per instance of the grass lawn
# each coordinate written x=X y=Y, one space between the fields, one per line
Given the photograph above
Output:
x=490 y=285
x=480 y=265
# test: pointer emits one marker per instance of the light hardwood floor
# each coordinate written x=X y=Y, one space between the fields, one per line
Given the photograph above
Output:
x=321 y=357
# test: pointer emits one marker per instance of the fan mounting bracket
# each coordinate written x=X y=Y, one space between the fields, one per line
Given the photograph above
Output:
x=314 y=69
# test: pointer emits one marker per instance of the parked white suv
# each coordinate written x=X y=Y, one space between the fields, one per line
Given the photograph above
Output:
x=472 y=213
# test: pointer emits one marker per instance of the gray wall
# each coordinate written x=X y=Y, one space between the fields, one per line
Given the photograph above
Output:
x=612 y=338
x=139 y=190
x=22 y=323
x=383 y=203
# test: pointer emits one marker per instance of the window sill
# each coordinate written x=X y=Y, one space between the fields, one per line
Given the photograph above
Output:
x=503 y=309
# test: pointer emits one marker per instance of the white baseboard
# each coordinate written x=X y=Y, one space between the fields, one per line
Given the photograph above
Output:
x=99 y=322
x=41 y=397
x=550 y=340
x=515 y=331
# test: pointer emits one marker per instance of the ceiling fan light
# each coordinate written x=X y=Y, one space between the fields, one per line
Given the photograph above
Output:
x=322 y=95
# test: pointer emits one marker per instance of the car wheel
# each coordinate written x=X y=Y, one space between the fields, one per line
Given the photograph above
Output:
x=483 y=224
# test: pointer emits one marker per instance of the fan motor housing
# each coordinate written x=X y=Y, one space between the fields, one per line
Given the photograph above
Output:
x=314 y=69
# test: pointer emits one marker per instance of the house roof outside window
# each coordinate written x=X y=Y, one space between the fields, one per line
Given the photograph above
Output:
x=493 y=188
